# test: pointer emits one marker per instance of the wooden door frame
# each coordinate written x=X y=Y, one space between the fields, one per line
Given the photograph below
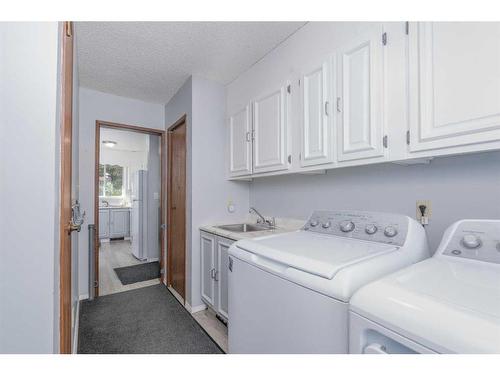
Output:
x=66 y=131
x=181 y=121
x=139 y=129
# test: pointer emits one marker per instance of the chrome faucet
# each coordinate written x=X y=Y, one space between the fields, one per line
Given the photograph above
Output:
x=270 y=223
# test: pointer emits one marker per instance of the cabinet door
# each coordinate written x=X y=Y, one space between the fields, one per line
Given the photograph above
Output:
x=317 y=116
x=270 y=133
x=103 y=223
x=240 y=143
x=454 y=84
x=118 y=223
x=360 y=101
x=207 y=267
x=221 y=276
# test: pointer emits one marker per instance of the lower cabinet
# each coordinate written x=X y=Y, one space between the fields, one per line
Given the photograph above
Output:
x=114 y=223
x=103 y=223
x=214 y=272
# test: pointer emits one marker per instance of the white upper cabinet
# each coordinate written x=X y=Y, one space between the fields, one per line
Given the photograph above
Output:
x=240 y=143
x=454 y=84
x=317 y=117
x=270 y=132
x=360 y=98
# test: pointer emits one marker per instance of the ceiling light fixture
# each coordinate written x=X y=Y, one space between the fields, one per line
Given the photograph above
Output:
x=109 y=144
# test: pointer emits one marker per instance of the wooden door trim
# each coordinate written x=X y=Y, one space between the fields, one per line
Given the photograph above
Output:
x=140 y=129
x=181 y=121
x=65 y=288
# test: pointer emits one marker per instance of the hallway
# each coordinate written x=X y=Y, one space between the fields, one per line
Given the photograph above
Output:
x=145 y=320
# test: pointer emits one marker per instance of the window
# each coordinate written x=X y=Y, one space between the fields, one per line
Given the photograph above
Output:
x=110 y=180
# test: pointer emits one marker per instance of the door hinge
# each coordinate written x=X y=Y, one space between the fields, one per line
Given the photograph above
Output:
x=249 y=137
x=407 y=137
x=162 y=271
x=289 y=89
x=326 y=108
x=384 y=141
x=163 y=226
x=68 y=28
x=407 y=27
x=96 y=284
x=384 y=39
x=253 y=135
x=289 y=159
x=339 y=104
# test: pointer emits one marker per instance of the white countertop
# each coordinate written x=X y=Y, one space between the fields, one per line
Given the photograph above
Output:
x=114 y=208
x=283 y=225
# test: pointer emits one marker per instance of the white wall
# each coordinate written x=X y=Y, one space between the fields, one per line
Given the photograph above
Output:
x=458 y=187
x=29 y=187
x=95 y=105
x=208 y=191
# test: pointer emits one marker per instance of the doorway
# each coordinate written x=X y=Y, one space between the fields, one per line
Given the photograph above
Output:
x=129 y=209
x=177 y=208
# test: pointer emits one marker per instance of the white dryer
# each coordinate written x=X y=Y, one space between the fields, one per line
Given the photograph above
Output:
x=449 y=303
x=289 y=293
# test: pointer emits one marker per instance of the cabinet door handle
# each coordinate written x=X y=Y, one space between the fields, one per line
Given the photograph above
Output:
x=326 y=108
x=339 y=104
x=249 y=137
x=212 y=273
x=216 y=273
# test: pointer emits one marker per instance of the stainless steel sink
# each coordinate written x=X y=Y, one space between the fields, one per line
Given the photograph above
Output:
x=243 y=228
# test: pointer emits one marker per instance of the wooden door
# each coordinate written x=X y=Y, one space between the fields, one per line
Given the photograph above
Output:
x=454 y=84
x=177 y=209
x=207 y=247
x=65 y=214
x=270 y=132
x=317 y=117
x=359 y=104
x=240 y=143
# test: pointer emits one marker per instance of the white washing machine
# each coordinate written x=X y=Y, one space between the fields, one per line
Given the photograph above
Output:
x=289 y=293
x=449 y=303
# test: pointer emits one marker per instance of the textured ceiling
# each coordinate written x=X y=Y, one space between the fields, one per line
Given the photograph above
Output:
x=151 y=60
x=125 y=140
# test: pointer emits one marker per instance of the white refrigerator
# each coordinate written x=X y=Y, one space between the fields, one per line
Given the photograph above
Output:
x=139 y=215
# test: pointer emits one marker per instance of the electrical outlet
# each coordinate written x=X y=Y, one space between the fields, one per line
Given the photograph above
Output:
x=428 y=209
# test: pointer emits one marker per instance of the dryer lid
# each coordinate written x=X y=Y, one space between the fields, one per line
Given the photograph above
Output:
x=314 y=253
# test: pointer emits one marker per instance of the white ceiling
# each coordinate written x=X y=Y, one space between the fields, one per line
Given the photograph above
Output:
x=125 y=140
x=151 y=60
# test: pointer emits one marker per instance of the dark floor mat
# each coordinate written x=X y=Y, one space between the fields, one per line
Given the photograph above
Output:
x=139 y=272
x=145 y=320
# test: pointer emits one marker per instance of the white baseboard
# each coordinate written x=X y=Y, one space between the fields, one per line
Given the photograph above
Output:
x=83 y=296
x=75 y=333
x=195 y=309
x=153 y=259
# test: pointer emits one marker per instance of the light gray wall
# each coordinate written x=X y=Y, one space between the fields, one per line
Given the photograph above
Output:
x=154 y=186
x=29 y=187
x=203 y=102
x=459 y=187
x=95 y=105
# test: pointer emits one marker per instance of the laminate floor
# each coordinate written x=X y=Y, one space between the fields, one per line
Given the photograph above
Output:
x=112 y=255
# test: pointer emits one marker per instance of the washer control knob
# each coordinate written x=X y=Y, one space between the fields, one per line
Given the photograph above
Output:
x=371 y=229
x=314 y=223
x=347 y=226
x=390 y=231
x=471 y=241
x=326 y=225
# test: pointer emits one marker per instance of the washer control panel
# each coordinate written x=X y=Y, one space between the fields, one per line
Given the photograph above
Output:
x=473 y=239
x=369 y=226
